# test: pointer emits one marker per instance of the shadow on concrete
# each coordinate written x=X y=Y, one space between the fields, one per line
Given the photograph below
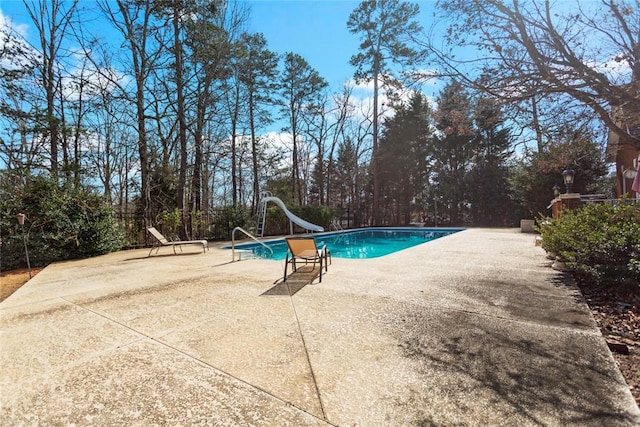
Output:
x=295 y=281
x=170 y=255
x=538 y=371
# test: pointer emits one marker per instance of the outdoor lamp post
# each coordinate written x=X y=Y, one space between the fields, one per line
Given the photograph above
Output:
x=20 y=217
x=567 y=176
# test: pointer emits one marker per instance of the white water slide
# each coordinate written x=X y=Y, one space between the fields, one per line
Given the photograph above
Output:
x=293 y=218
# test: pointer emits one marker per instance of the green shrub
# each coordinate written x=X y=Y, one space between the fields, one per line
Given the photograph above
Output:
x=62 y=223
x=278 y=223
x=169 y=223
x=599 y=241
x=229 y=218
x=316 y=214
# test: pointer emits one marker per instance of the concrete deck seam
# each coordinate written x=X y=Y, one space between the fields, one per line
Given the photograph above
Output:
x=220 y=371
x=229 y=375
x=306 y=352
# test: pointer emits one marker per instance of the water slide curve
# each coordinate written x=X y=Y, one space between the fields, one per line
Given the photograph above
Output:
x=293 y=218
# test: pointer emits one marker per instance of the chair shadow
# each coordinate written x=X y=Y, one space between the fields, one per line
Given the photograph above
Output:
x=295 y=281
x=163 y=256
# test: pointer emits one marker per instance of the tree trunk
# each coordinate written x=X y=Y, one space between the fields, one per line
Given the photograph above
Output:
x=185 y=230
x=254 y=156
x=374 y=148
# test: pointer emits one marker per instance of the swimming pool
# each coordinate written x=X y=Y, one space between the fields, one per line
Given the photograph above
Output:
x=357 y=244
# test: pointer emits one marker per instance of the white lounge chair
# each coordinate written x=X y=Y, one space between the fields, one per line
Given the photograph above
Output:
x=162 y=241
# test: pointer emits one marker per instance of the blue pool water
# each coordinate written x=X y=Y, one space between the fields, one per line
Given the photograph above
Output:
x=357 y=244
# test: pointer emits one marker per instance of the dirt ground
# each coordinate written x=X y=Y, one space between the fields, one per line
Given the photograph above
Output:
x=617 y=315
x=10 y=281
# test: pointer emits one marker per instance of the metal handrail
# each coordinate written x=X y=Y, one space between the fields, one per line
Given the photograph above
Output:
x=336 y=225
x=233 y=241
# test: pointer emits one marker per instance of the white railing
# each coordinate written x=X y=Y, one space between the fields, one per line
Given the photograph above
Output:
x=233 y=242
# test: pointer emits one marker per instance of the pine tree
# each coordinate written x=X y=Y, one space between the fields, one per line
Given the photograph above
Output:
x=453 y=151
x=403 y=155
x=489 y=193
x=383 y=26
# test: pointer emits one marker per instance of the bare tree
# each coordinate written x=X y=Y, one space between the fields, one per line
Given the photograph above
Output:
x=133 y=19
x=52 y=19
x=586 y=51
x=18 y=102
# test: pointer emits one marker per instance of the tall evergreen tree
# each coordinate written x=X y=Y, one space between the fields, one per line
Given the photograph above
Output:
x=258 y=70
x=301 y=83
x=403 y=156
x=384 y=27
x=453 y=150
x=348 y=182
x=210 y=48
x=489 y=193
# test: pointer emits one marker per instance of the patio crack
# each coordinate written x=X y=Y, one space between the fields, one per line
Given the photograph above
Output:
x=159 y=341
x=306 y=352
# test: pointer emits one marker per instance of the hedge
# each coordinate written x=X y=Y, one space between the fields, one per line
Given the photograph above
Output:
x=600 y=242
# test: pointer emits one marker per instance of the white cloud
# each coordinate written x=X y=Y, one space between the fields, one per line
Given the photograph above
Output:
x=13 y=37
x=617 y=68
x=6 y=24
x=362 y=98
x=96 y=80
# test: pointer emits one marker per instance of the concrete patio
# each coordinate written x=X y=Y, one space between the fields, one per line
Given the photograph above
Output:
x=471 y=329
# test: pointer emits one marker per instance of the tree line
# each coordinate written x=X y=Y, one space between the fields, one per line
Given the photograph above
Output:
x=170 y=117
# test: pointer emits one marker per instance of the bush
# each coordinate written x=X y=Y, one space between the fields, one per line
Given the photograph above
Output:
x=61 y=223
x=599 y=241
x=316 y=214
x=229 y=218
x=278 y=223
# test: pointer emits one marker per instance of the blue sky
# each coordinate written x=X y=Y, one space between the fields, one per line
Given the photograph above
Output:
x=315 y=29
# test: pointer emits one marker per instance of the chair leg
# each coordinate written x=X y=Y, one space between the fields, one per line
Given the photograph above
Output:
x=286 y=264
x=327 y=259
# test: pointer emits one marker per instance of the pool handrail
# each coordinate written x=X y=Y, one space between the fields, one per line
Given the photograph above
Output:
x=233 y=241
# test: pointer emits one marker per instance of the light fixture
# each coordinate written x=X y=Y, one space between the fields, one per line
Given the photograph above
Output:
x=567 y=176
x=556 y=190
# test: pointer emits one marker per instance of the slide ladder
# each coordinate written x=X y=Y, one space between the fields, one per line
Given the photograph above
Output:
x=265 y=198
x=262 y=213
